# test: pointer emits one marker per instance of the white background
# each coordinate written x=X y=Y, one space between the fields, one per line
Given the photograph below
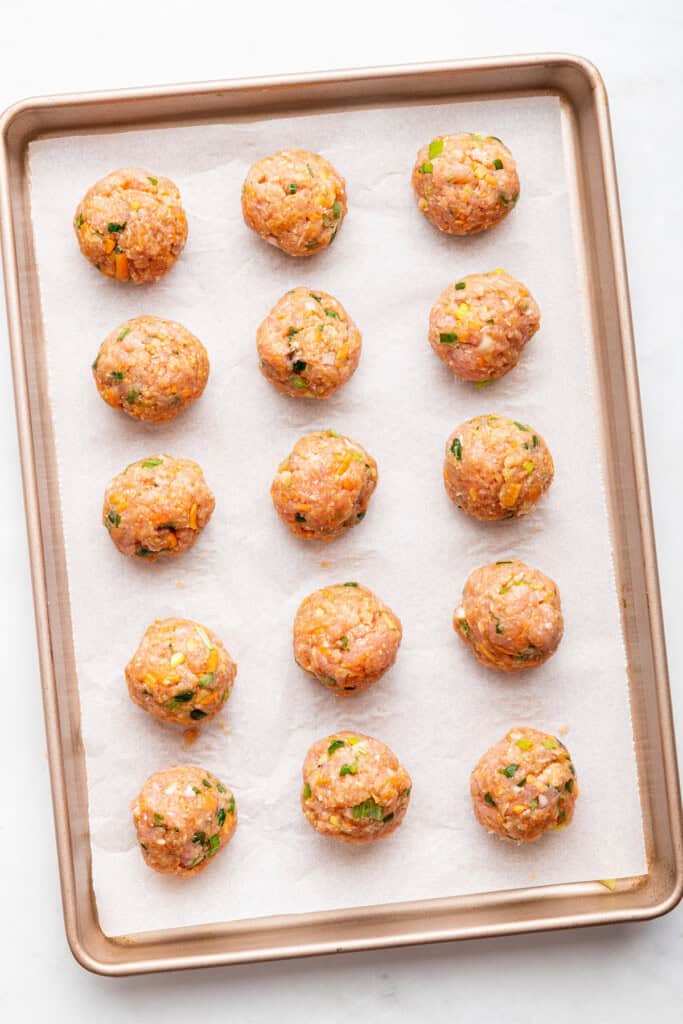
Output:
x=622 y=971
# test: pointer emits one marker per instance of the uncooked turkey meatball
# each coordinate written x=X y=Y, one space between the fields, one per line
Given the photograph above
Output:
x=131 y=225
x=324 y=486
x=151 y=369
x=294 y=200
x=157 y=507
x=346 y=637
x=480 y=324
x=183 y=817
x=496 y=468
x=465 y=183
x=354 y=788
x=510 y=616
x=308 y=345
x=181 y=672
x=524 y=786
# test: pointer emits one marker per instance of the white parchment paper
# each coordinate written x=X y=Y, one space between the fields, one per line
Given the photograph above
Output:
x=438 y=709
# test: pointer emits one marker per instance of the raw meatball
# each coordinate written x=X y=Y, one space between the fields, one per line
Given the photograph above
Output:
x=324 y=486
x=496 y=468
x=183 y=817
x=131 y=225
x=465 y=183
x=354 y=788
x=479 y=326
x=510 y=616
x=157 y=506
x=346 y=637
x=294 y=200
x=181 y=672
x=308 y=345
x=524 y=786
x=152 y=369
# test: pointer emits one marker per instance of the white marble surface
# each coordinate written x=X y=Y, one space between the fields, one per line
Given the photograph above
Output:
x=592 y=974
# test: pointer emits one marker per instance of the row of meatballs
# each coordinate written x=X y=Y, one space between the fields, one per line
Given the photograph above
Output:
x=131 y=224
x=494 y=468
x=308 y=346
x=355 y=790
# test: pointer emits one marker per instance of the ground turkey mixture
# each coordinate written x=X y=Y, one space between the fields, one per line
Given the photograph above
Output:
x=308 y=345
x=510 y=616
x=157 y=506
x=465 y=183
x=496 y=468
x=346 y=637
x=131 y=225
x=324 y=486
x=151 y=369
x=183 y=817
x=480 y=324
x=181 y=672
x=524 y=786
x=294 y=200
x=354 y=788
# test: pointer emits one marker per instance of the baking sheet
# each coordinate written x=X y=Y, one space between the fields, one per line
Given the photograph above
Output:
x=245 y=577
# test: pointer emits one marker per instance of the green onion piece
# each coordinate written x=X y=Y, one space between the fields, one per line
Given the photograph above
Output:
x=196 y=715
x=435 y=148
x=292 y=331
x=199 y=837
x=231 y=805
x=206 y=680
x=299 y=366
x=318 y=298
x=388 y=817
x=205 y=782
x=509 y=771
x=569 y=785
x=456 y=448
x=464 y=625
x=533 y=805
x=124 y=332
x=143 y=552
x=133 y=396
x=349 y=584
x=184 y=697
x=335 y=745
x=535 y=441
x=214 y=845
x=499 y=628
x=483 y=383
x=344 y=643
x=505 y=561
x=97 y=359
x=292 y=188
x=151 y=463
x=561 y=816
x=79 y=221
x=520 y=426
x=549 y=744
x=459 y=286
x=426 y=167
x=448 y=338
x=116 y=228
x=300 y=518
x=498 y=164
x=220 y=787
x=307 y=792
x=503 y=199
x=368 y=809
x=221 y=817
x=336 y=209
x=490 y=321
x=496 y=138
x=153 y=181
x=298 y=383
x=117 y=375
x=196 y=790
x=333 y=313
x=489 y=799
x=348 y=769
x=114 y=517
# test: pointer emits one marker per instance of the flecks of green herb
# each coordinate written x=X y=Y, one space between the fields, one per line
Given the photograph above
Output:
x=199 y=837
x=196 y=715
x=464 y=625
x=333 y=313
x=336 y=209
x=298 y=382
x=561 y=817
x=499 y=628
x=116 y=228
x=456 y=448
x=344 y=643
x=153 y=181
x=460 y=285
x=292 y=188
x=143 y=552
x=220 y=817
x=348 y=769
x=206 y=680
x=231 y=805
x=498 y=164
x=335 y=745
x=114 y=517
x=307 y=792
x=521 y=426
x=368 y=809
x=489 y=799
x=133 y=396
x=292 y=331
x=205 y=782
x=533 y=805
x=151 y=463
x=117 y=375
x=97 y=359
x=124 y=332
x=435 y=148
x=569 y=785
x=426 y=168
x=483 y=383
x=196 y=790
x=509 y=771
x=214 y=845
x=505 y=561
x=448 y=338
x=300 y=517
x=352 y=584
x=299 y=365
x=220 y=787
x=318 y=298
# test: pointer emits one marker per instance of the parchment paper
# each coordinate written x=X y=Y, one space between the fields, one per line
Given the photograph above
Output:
x=246 y=575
